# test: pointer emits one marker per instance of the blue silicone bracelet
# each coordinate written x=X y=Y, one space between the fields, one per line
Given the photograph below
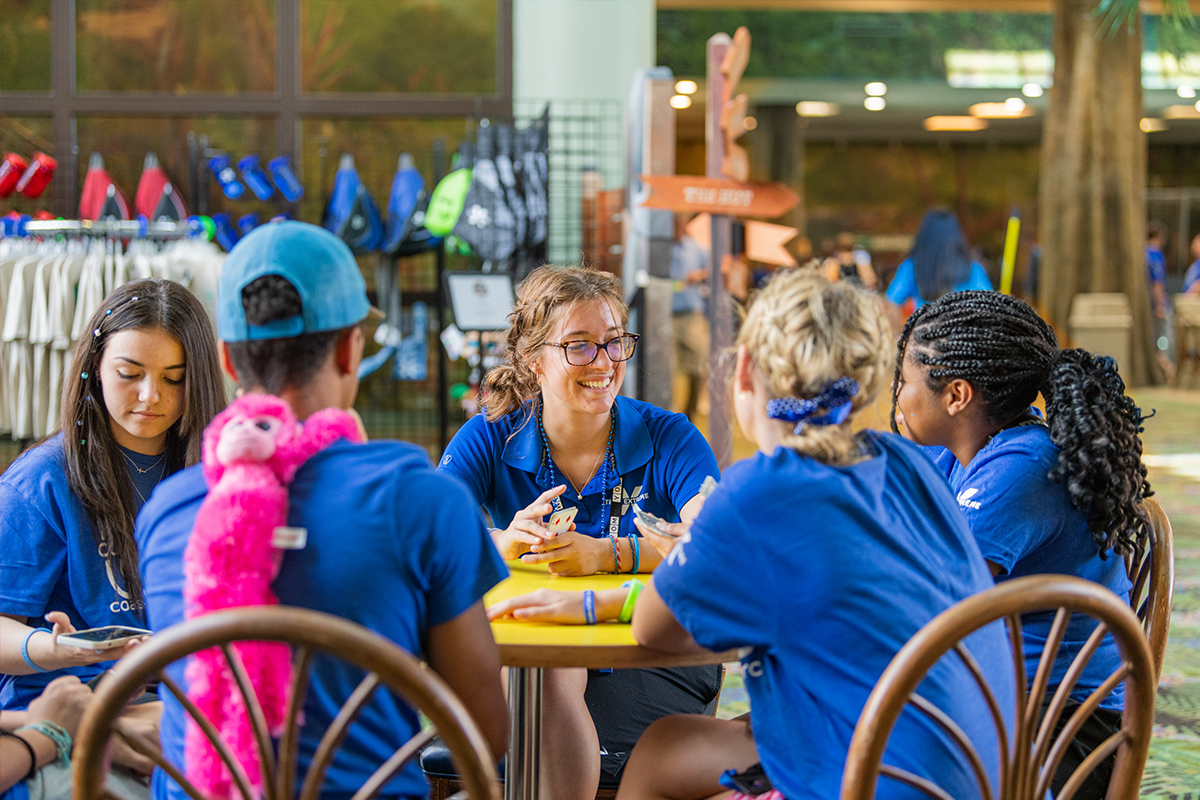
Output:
x=25 y=650
x=589 y=607
x=637 y=552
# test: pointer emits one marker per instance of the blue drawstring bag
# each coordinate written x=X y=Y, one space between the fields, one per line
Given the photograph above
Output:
x=352 y=215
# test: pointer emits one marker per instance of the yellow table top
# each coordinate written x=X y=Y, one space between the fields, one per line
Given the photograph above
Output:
x=546 y=644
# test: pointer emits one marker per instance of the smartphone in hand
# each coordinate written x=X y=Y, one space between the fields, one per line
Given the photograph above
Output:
x=106 y=638
x=651 y=521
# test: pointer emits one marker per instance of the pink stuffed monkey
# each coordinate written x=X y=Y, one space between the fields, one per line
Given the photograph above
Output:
x=251 y=452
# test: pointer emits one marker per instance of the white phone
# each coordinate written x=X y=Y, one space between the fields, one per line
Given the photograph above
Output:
x=106 y=638
x=560 y=521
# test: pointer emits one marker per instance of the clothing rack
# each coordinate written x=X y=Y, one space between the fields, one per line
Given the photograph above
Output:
x=142 y=229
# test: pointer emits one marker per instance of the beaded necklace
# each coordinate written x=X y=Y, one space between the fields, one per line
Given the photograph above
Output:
x=609 y=463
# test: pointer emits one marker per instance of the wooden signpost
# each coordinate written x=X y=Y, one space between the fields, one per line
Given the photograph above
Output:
x=719 y=196
x=724 y=192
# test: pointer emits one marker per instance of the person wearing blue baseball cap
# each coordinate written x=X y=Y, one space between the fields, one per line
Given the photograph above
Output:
x=291 y=305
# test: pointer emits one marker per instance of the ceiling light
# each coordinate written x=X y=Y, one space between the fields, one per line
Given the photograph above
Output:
x=750 y=123
x=1015 y=104
x=999 y=110
x=876 y=88
x=681 y=101
x=1032 y=90
x=875 y=104
x=1152 y=125
x=1186 y=91
x=955 y=124
x=1181 y=112
x=816 y=108
x=686 y=87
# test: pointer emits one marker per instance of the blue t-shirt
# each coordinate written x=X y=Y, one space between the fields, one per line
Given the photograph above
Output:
x=50 y=561
x=661 y=461
x=904 y=284
x=392 y=545
x=1156 y=266
x=1025 y=524
x=1192 y=276
x=825 y=572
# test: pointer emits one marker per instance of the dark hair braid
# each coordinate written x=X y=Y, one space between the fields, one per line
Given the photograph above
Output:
x=1008 y=354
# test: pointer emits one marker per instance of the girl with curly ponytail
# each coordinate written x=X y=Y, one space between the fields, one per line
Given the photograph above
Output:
x=1055 y=494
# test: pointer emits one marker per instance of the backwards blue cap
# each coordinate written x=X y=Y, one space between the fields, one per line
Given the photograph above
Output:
x=318 y=264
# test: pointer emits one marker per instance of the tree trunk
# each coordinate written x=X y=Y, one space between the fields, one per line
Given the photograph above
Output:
x=1092 y=206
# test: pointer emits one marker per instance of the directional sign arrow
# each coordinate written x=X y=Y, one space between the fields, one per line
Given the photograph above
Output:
x=717 y=196
x=764 y=240
x=736 y=58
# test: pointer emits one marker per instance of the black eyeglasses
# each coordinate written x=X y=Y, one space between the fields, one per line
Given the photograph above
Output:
x=581 y=352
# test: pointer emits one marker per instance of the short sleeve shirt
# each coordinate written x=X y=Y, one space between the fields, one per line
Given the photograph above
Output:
x=1025 y=523
x=392 y=545
x=661 y=462
x=50 y=560
x=824 y=573
x=1192 y=276
x=904 y=283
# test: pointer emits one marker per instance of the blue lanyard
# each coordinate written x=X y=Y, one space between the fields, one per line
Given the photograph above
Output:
x=612 y=506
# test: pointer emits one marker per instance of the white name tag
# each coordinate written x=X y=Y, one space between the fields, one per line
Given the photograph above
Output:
x=290 y=538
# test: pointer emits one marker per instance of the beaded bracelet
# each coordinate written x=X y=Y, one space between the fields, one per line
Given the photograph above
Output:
x=635 y=588
x=33 y=765
x=589 y=607
x=612 y=539
x=25 y=649
x=635 y=548
x=55 y=733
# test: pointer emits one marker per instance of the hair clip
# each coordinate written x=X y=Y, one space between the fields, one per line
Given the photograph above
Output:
x=79 y=423
x=83 y=375
x=133 y=299
x=96 y=332
x=83 y=441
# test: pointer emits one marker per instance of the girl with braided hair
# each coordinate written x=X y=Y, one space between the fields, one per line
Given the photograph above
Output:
x=555 y=434
x=1058 y=494
x=819 y=557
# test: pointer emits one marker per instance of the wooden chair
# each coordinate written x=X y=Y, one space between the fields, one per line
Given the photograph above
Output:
x=1030 y=753
x=309 y=633
x=1152 y=573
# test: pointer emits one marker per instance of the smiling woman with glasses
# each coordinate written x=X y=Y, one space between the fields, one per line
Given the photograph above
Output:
x=556 y=434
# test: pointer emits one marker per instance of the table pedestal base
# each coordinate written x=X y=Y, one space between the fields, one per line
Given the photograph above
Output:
x=522 y=769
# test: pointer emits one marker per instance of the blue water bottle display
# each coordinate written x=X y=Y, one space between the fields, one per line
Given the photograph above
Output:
x=255 y=178
x=285 y=180
x=226 y=177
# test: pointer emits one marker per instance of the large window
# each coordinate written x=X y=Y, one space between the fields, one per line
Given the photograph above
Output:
x=266 y=77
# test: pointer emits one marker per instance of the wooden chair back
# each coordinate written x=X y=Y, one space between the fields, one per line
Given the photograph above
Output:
x=1029 y=752
x=1152 y=573
x=309 y=633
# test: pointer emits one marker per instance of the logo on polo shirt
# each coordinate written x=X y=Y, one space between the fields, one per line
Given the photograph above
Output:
x=965 y=501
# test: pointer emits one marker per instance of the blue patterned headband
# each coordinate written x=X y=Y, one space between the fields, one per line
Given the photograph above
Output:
x=836 y=400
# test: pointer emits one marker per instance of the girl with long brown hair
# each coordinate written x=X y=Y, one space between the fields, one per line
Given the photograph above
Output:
x=144 y=382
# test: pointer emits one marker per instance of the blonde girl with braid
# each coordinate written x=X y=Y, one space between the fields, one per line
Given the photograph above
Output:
x=818 y=557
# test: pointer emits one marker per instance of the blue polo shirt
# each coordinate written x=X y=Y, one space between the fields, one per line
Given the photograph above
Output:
x=822 y=573
x=1192 y=276
x=392 y=545
x=904 y=284
x=1025 y=523
x=50 y=561
x=661 y=461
